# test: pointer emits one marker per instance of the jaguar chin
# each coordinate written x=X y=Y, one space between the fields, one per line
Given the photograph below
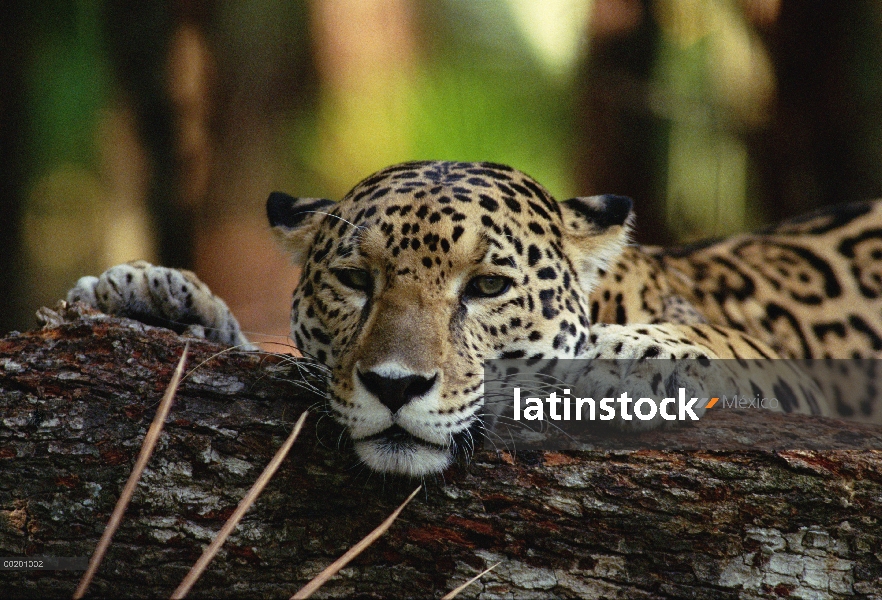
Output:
x=397 y=451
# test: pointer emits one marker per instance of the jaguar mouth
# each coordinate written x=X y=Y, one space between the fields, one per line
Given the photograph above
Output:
x=396 y=437
x=395 y=450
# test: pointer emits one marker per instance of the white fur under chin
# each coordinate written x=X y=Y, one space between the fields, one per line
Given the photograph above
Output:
x=414 y=460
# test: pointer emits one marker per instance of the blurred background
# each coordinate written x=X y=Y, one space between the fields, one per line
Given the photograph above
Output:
x=156 y=129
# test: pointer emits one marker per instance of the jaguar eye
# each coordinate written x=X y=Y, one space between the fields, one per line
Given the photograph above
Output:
x=357 y=279
x=488 y=286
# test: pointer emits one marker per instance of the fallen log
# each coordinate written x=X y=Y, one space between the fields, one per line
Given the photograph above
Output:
x=77 y=396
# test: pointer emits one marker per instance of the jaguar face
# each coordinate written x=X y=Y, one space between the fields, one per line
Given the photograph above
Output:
x=422 y=272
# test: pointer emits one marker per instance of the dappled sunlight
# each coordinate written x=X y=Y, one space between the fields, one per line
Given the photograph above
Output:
x=555 y=30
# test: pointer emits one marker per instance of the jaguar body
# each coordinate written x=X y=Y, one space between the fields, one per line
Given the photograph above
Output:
x=427 y=269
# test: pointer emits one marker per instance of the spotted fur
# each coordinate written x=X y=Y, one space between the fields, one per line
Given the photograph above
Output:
x=427 y=269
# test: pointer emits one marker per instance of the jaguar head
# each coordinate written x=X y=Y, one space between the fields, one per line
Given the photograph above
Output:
x=422 y=272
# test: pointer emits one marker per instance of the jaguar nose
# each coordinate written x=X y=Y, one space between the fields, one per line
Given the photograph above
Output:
x=395 y=392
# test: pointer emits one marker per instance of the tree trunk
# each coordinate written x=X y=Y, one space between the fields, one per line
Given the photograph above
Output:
x=77 y=397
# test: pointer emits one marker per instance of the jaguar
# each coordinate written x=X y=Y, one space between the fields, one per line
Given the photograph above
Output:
x=425 y=270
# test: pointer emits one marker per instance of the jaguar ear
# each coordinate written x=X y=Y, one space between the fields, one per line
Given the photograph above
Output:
x=596 y=229
x=295 y=221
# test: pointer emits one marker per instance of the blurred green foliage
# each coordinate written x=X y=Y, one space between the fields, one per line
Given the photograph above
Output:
x=67 y=83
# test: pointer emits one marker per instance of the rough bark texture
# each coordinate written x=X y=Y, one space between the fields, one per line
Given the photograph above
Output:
x=77 y=397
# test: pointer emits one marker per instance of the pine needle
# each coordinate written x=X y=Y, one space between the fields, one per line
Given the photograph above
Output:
x=249 y=499
x=320 y=579
x=147 y=447
x=455 y=592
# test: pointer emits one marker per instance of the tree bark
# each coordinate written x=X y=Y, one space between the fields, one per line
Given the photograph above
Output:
x=77 y=396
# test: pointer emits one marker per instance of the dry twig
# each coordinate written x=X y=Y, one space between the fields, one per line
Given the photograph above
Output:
x=455 y=592
x=196 y=571
x=147 y=447
x=320 y=579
